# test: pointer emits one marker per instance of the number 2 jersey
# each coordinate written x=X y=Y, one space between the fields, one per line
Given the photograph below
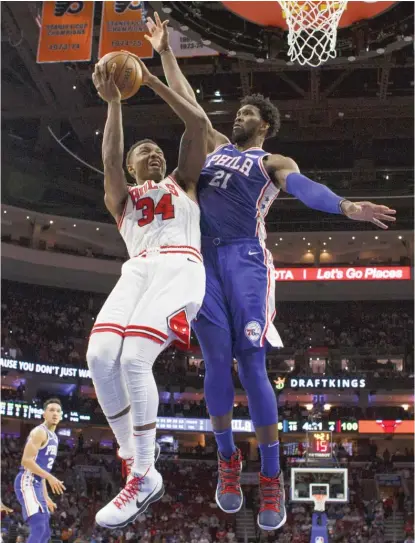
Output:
x=159 y=215
x=47 y=454
x=235 y=194
x=28 y=486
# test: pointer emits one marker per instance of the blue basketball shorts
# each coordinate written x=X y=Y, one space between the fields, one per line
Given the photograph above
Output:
x=29 y=492
x=240 y=293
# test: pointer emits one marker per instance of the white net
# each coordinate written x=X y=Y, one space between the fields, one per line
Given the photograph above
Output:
x=319 y=502
x=312 y=30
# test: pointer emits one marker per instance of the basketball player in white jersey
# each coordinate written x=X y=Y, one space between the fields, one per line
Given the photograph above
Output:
x=160 y=290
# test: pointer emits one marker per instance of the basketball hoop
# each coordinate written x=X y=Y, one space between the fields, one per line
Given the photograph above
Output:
x=312 y=30
x=319 y=502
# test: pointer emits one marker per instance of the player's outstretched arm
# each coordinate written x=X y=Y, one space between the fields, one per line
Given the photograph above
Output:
x=286 y=175
x=36 y=440
x=159 y=39
x=193 y=147
x=115 y=184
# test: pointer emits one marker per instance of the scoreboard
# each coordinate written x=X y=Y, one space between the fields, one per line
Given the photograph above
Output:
x=25 y=410
x=29 y=411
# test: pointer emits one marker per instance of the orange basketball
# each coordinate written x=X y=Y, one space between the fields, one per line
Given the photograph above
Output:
x=128 y=74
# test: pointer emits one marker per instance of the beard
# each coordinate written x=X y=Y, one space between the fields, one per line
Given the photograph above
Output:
x=241 y=135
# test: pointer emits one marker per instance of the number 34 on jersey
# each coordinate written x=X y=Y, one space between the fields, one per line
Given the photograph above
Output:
x=159 y=215
x=148 y=206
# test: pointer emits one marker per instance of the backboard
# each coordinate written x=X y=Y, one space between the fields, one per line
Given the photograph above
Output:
x=332 y=482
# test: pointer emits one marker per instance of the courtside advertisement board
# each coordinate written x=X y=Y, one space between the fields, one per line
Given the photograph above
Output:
x=376 y=273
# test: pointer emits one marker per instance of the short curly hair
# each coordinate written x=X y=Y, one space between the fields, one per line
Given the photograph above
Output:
x=269 y=113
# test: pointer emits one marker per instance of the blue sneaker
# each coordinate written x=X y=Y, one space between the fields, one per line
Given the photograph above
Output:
x=229 y=495
x=272 y=514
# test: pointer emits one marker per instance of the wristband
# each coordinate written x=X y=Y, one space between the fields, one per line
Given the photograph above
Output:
x=167 y=50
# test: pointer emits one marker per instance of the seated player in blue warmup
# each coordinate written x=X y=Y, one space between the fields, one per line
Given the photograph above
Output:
x=237 y=186
x=30 y=484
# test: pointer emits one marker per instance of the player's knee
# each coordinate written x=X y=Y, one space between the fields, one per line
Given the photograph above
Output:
x=103 y=351
x=252 y=370
x=138 y=355
x=218 y=385
x=217 y=350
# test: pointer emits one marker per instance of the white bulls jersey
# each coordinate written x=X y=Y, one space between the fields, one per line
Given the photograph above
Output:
x=159 y=215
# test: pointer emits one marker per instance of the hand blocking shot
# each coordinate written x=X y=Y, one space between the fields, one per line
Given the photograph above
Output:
x=161 y=288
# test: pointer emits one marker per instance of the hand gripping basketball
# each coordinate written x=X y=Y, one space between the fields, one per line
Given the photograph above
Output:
x=145 y=72
x=105 y=84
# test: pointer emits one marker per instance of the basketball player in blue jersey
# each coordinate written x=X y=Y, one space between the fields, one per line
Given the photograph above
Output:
x=30 y=484
x=237 y=186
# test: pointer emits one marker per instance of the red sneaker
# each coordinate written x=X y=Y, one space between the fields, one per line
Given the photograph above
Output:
x=229 y=495
x=272 y=514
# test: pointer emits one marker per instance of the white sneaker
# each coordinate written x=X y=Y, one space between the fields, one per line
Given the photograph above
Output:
x=128 y=463
x=134 y=498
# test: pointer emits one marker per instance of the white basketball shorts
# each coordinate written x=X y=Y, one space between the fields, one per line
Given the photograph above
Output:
x=159 y=293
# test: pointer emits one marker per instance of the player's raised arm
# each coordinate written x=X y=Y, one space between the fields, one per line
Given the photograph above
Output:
x=287 y=176
x=115 y=184
x=193 y=148
x=37 y=439
x=159 y=39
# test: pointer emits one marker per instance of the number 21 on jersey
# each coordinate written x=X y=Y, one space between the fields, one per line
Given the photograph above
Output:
x=220 y=179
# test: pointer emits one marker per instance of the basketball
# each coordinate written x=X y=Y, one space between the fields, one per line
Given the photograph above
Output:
x=128 y=75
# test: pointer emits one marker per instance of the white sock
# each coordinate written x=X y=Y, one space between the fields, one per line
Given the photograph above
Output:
x=122 y=428
x=137 y=359
x=144 y=441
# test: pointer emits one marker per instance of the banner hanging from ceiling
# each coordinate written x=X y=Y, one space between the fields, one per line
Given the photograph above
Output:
x=184 y=47
x=123 y=27
x=66 y=32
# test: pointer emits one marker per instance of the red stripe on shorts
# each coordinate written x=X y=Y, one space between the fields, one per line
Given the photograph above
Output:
x=111 y=330
x=109 y=324
x=144 y=335
x=147 y=329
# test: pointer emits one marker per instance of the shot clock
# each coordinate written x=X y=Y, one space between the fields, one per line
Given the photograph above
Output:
x=319 y=444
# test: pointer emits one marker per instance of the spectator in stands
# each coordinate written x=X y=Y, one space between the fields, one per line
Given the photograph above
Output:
x=52 y=325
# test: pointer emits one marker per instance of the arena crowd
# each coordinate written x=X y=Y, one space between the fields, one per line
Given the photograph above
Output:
x=188 y=513
x=50 y=325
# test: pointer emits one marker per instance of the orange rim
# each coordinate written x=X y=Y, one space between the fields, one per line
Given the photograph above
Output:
x=270 y=13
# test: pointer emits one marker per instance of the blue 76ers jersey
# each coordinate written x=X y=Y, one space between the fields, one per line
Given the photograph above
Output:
x=235 y=193
x=47 y=454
